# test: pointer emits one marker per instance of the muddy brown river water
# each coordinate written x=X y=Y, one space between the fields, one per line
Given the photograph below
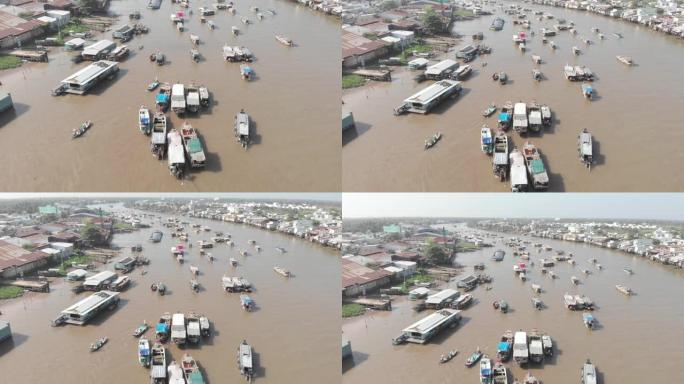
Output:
x=636 y=342
x=294 y=103
x=633 y=118
x=294 y=332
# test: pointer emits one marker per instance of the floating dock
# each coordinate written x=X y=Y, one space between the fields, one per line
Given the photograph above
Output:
x=383 y=305
x=430 y=97
x=39 y=56
x=81 y=312
x=423 y=330
x=32 y=285
x=80 y=82
x=374 y=74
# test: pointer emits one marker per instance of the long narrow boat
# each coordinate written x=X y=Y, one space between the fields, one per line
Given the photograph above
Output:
x=284 y=40
x=176 y=156
x=589 y=373
x=191 y=370
x=158 y=138
x=625 y=60
x=193 y=146
x=535 y=167
x=499 y=374
x=500 y=158
x=486 y=142
x=175 y=374
x=486 y=376
x=144 y=353
x=242 y=128
x=282 y=271
x=158 y=370
x=625 y=290
x=244 y=360
x=144 y=121
x=585 y=148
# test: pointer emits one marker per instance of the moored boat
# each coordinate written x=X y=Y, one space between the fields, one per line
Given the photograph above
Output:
x=158 y=137
x=486 y=370
x=191 y=371
x=158 y=372
x=153 y=85
x=144 y=122
x=176 y=158
x=535 y=167
x=193 y=146
x=500 y=157
x=588 y=320
x=486 y=142
x=175 y=373
x=519 y=181
x=144 y=352
x=499 y=374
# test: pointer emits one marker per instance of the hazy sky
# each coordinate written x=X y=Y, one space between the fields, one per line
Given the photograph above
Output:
x=661 y=206
x=335 y=197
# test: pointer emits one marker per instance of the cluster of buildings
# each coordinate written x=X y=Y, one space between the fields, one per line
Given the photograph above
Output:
x=645 y=239
x=315 y=223
x=372 y=261
x=370 y=33
x=662 y=15
x=22 y=21
x=29 y=242
x=330 y=7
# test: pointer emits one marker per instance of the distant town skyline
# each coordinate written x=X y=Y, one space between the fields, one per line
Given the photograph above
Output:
x=328 y=197
x=639 y=206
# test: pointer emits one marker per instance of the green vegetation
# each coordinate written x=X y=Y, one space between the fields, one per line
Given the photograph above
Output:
x=92 y=234
x=9 y=62
x=432 y=22
x=389 y=5
x=121 y=226
x=436 y=253
x=76 y=26
x=420 y=277
x=10 y=292
x=418 y=47
x=352 y=81
x=351 y=310
x=464 y=13
x=75 y=259
x=465 y=246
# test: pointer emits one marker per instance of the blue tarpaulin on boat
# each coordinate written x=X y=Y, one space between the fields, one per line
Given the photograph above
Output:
x=503 y=346
x=162 y=328
x=503 y=116
x=162 y=98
